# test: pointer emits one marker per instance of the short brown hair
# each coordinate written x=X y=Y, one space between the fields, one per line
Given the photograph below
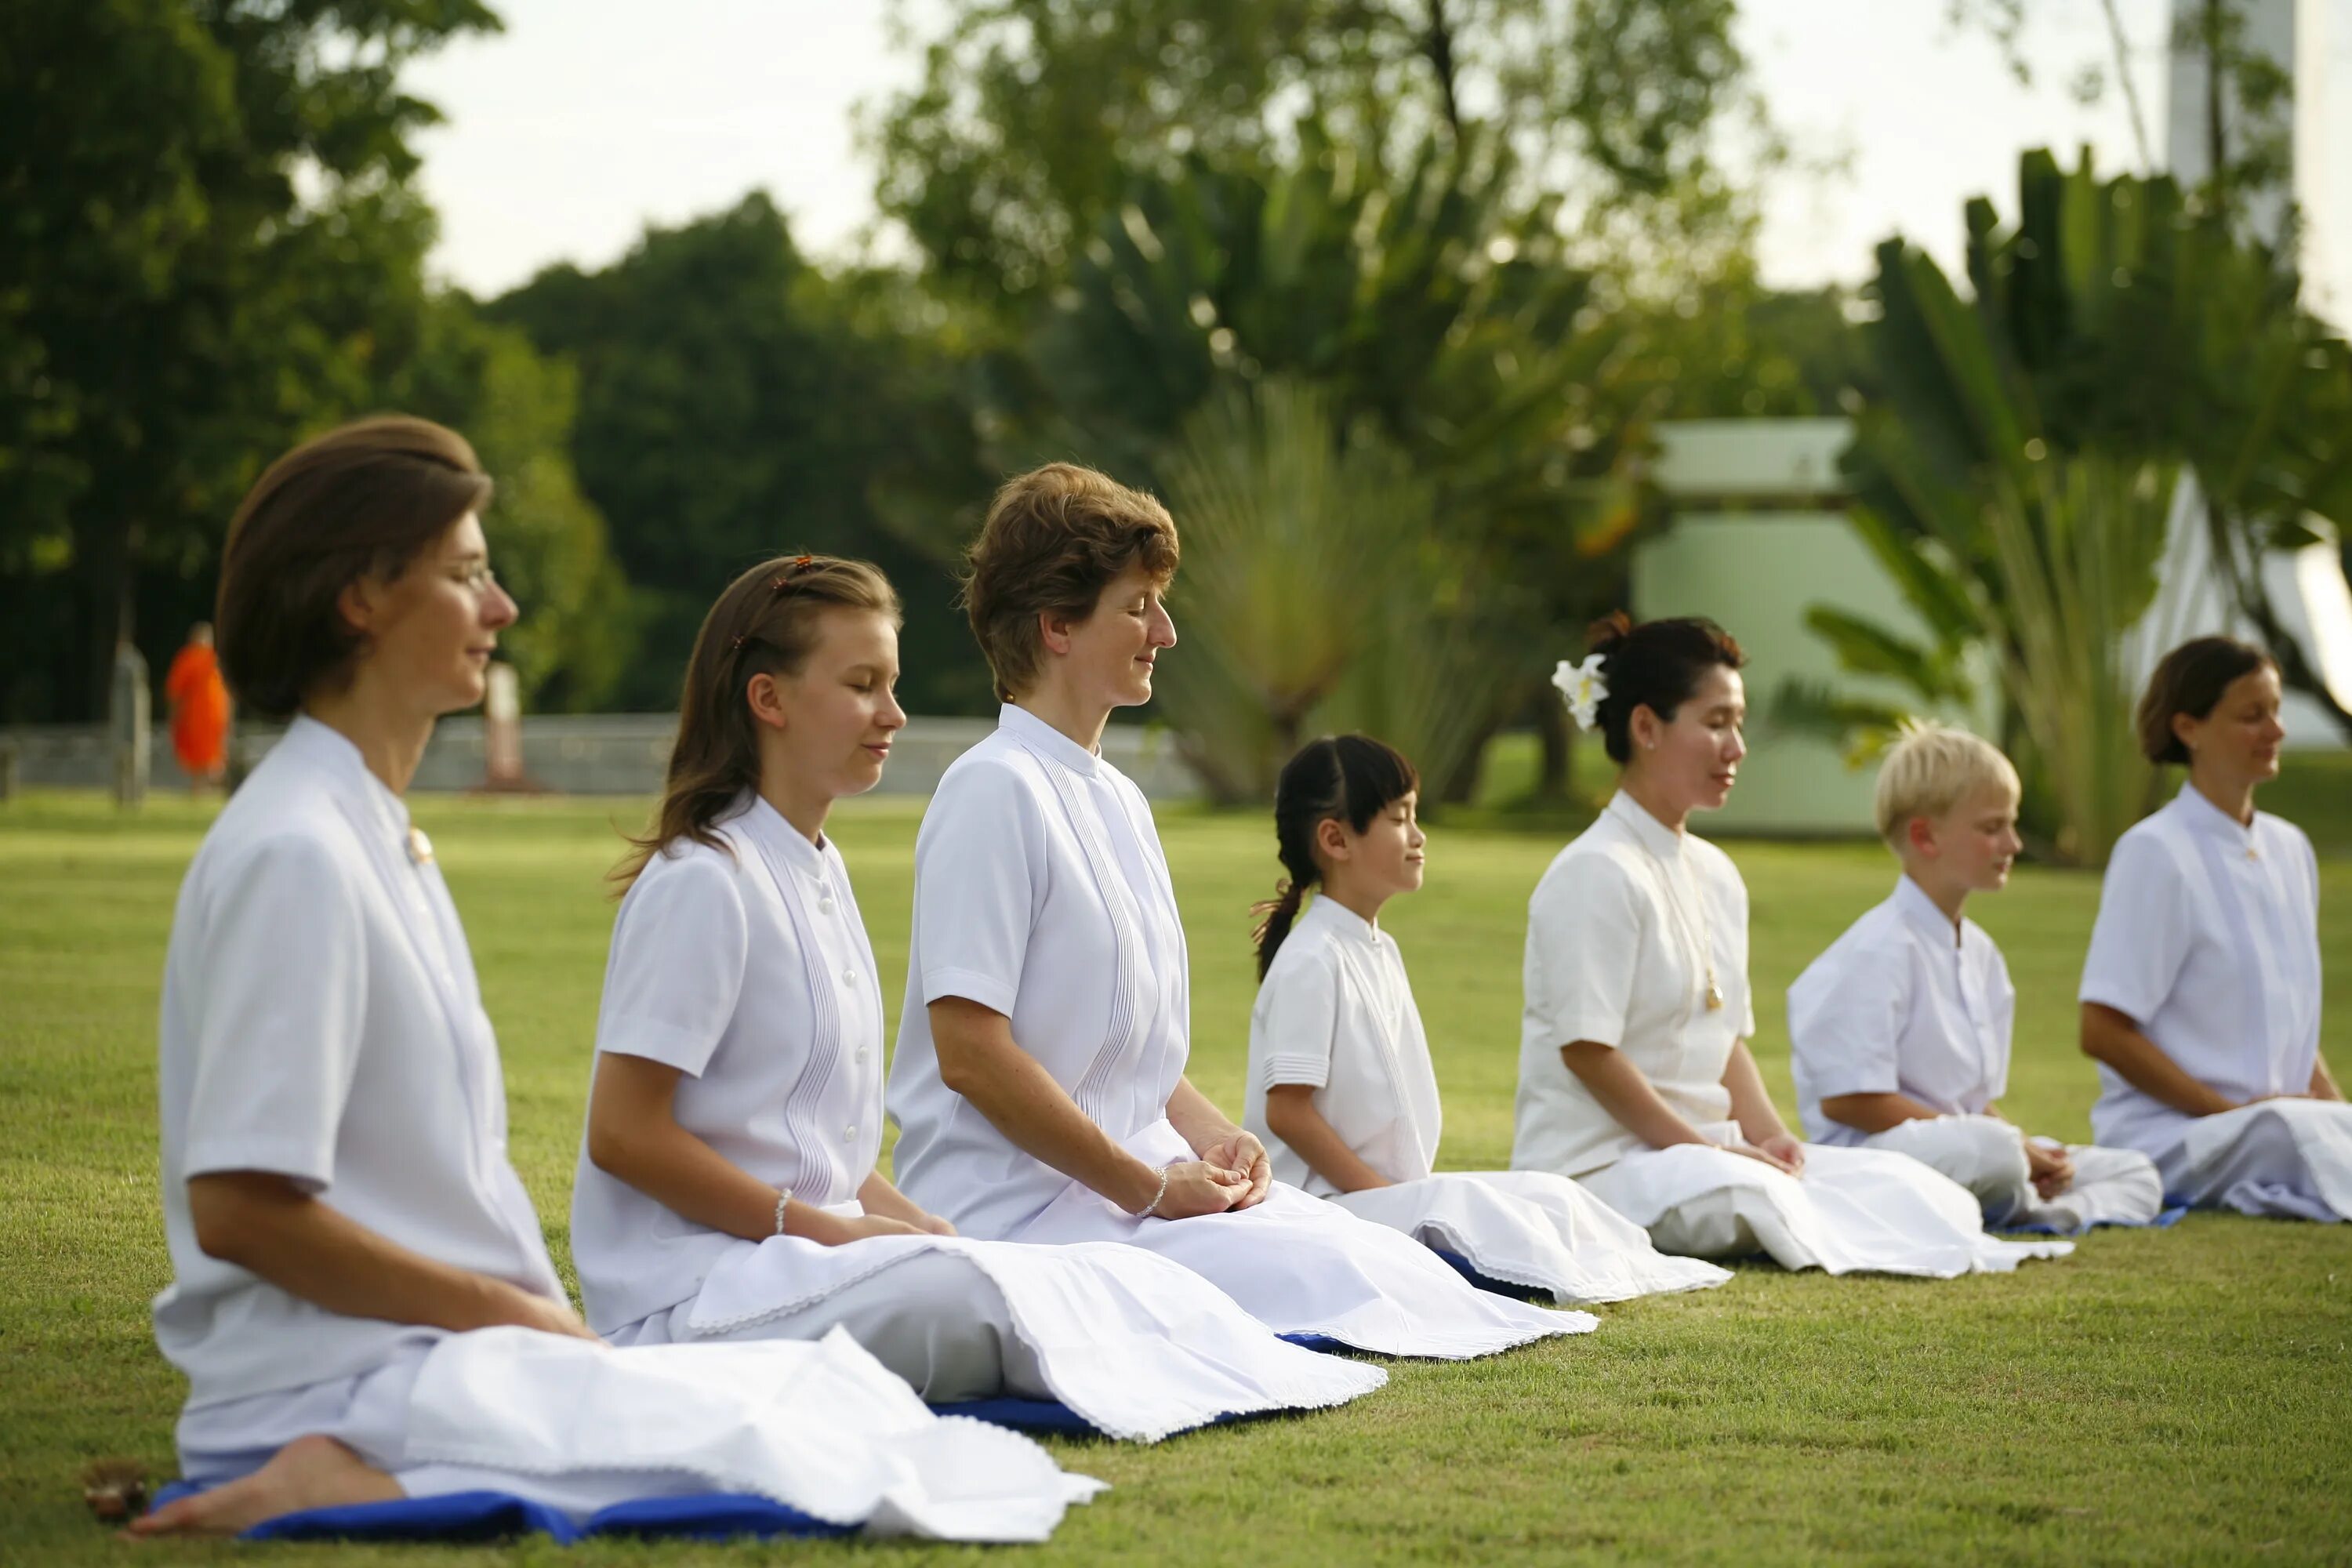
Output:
x=358 y=501
x=2191 y=679
x=1054 y=539
x=766 y=622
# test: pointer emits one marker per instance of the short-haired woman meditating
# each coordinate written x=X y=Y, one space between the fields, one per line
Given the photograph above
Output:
x=361 y=1297
x=1039 y=1083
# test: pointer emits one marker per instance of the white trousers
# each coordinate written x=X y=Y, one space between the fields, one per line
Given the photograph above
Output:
x=1851 y=1211
x=934 y=1318
x=577 y=1426
x=1987 y=1155
x=2288 y=1159
x=1138 y=1346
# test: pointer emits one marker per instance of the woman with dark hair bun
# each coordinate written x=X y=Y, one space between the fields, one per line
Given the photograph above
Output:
x=2200 y=992
x=1341 y=1089
x=1635 y=1072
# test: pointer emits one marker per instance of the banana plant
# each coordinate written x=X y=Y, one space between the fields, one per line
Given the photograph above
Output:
x=1316 y=596
x=2016 y=473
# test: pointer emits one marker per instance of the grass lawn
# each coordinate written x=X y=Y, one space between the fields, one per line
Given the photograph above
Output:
x=2162 y=1397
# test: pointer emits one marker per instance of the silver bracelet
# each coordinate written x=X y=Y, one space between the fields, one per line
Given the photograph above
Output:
x=783 y=1201
x=1150 y=1208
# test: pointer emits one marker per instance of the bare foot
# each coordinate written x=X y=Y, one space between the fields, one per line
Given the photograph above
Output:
x=309 y=1472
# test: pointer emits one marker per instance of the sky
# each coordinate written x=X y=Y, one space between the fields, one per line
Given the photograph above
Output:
x=583 y=123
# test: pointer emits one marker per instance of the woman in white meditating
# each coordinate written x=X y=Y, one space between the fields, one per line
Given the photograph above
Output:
x=2201 y=994
x=1635 y=1072
x=1899 y=1034
x=1039 y=1084
x=726 y=1186
x=360 y=1298
x=1341 y=1088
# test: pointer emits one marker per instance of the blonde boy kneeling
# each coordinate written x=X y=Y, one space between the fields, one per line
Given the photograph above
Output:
x=1900 y=1032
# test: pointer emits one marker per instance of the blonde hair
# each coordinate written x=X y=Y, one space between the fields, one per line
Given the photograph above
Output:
x=1930 y=771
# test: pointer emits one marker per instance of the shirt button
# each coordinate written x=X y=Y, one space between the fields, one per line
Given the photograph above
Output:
x=849 y=977
x=849 y=1134
x=824 y=905
x=861 y=1053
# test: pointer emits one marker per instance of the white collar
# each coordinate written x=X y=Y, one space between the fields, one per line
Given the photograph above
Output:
x=2203 y=816
x=1921 y=911
x=758 y=817
x=1344 y=921
x=1048 y=742
x=332 y=751
x=1654 y=836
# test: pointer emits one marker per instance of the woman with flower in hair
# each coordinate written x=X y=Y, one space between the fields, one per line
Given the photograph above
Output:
x=1341 y=1089
x=1039 y=1083
x=1635 y=1072
x=728 y=1188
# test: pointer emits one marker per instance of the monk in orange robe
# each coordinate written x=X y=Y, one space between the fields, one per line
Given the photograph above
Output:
x=199 y=701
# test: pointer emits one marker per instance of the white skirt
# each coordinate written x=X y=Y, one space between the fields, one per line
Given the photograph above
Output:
x=1138 y=1346
x=1301 y=1266
x=1852 y=1211
x=1535 y=1229
x=578 y=1426
x=2289 y=1159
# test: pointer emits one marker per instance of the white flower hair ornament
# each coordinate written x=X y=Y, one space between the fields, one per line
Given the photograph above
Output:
x=1582 y=687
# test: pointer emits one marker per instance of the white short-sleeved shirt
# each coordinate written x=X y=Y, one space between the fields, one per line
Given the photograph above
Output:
x=1607 y=961
x=2208 y=939
x=1902 y=1004
x=747 y=968
x=1041 y=892
x=320 y=1021
x=1336 y=1012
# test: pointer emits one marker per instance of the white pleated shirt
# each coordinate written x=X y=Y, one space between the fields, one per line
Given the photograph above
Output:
x=1040 y=891
x=322 y=1021
x=1336 y=1012
x=1608 y=960
x=1902 y=1004
x=2208 y=939
x=748 y=969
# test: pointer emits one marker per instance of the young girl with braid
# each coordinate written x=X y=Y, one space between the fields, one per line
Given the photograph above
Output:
x=1341 y=1090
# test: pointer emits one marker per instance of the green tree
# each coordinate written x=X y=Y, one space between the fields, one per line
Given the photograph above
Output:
x=577 y=636
x=735 y=403
x=1032 y=116
x=2115 y=336
x=210 y=242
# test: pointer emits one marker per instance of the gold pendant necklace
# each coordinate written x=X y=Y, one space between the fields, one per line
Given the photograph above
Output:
x=420 y=848
x=1704 y=949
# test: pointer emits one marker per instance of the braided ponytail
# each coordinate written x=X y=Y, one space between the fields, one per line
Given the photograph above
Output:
x=1343 y=778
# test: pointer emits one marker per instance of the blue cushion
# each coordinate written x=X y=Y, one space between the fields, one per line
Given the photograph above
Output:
x=709 y=1516
x=453 y=1516
x=1047 y=1415
x=1464 y=1266
x=2165 y=1220
x=491 y=1516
